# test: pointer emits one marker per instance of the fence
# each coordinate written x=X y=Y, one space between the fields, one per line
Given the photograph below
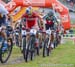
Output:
x=69 y=37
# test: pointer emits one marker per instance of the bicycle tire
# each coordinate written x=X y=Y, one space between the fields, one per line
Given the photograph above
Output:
x=45 y=49
x=9 y=54
x=24 y=47
x=30 y=49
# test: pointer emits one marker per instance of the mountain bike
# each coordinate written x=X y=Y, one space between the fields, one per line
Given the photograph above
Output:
x=6 y=45
x=46 y=46
x=29 y=48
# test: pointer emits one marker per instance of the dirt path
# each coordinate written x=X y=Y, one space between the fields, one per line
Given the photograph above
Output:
x=16 y=60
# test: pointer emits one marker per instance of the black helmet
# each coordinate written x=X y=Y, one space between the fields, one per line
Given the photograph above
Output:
x=50 y=13
x=9 y=28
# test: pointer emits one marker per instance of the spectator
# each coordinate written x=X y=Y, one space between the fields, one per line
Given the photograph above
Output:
x=6 y=1
x=68 y=1
x=71 y=3
x=64 y=0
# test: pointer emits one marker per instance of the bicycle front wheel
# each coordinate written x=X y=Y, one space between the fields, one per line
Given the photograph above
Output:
x=46 y=48
x=6 y=51
x=30 y=49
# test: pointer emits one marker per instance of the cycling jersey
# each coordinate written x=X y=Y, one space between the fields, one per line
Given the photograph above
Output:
x=49 y=22
x=3 y=13
x=3 y=10
x=3 y=20
x=31 y=21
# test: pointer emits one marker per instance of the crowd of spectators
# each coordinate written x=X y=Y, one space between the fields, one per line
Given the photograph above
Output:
x=6 y=1
x=70 y=2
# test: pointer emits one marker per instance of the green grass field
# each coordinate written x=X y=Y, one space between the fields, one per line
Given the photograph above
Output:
x=62 y=56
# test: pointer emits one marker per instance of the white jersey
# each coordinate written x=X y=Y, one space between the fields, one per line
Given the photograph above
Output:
x=3 y=10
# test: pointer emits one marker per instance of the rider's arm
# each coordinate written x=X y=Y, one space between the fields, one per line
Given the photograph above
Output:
x=45 y=17
x=3 y=10
x=41 y=21
x=24 y=15
x=23 y=18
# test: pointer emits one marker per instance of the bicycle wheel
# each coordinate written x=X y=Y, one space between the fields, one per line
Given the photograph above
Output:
x=46 y=48
x=17 y=41
x=37 y=51
x=24 y=46
x=30 y=49
x=6 y=51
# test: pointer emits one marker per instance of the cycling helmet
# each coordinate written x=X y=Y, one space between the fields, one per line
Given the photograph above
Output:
x=50 y=13
x=9 y=28
x=29 y=10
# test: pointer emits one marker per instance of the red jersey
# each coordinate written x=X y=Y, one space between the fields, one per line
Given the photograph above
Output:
x=31 y=20
x=49 y=22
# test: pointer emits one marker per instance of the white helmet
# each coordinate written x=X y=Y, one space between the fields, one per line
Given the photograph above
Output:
x=29 y=10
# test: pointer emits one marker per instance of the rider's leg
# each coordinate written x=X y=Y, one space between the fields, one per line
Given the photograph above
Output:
x=27 y=38
x=5 y=42
x=47 y=26
x=40 y=39
x=52 y=40
x=3 y=33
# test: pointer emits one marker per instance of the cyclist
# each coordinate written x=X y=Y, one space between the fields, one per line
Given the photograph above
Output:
x=31 y=19
x=50 y=20
x=4 y=14
x=50 y=24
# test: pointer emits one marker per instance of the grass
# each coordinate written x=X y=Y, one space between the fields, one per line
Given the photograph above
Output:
x=62 y=56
